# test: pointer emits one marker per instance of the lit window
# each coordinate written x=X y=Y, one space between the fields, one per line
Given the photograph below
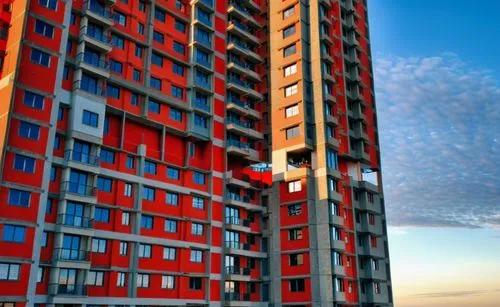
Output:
x=292 y=111
x=291 y=90
x=290 y=70
x=167 y=282
x=196 y=256
x=288 y=12
x=294 y=186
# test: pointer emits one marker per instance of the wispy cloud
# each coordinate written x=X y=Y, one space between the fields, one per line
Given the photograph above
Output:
x=455 y=293
x=439 y=121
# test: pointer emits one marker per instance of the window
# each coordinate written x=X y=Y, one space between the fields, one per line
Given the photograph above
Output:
x=167 y=282
x=288 y=12
x=106 y=126
x=180 y=6
x=173 y=173
x=331 y=158
x=113 y=91
x=90 y=118
x=371 y=219
x=198 y=202
x=150 y=167
x=95 y=278
x=294 y=209
x=29 y=131
x=336 y=234
x=332 y=185
x=178 y=69
x=142 y=280
x=148 y=193
x=197 y=229
x=292 y=111
x=134 y=99
x=60 y=114
x=196 y=255
x=137 y=75
x=50 y=4
x=154 y=107
x=292 y=132
x=117 y=41
x=373 y=242
x=101 y=215
x=144 y=251
x=158 y=37
x=9 y=271
x=125 y=218
x=147 y=222
x=177 y=92
x=192 y=148
x=66 y=71
x=99 y=245
x=53 y=174
x=297 y=285
x=120 y=18
x=155 y=83
x=200 y=121
x=375 y=264
x=294 y=186
x=138 y=51
x=159 y=15
x=289 y=31
x=120 y=280
x=44 y=28
x=370 y=197
x=290 y=70
x=104 y=184
x=33 y=100
x=40 y=57
x=179 y=48
x=140 y=28
x=169 y=253
x=107 y=156
x=203 y=16
x=180 y=26
x=24 y=164
x=295 y=234
x=127 y=191
x=123 y=248
x=19 y=198
x=130 y=162
x=376 y=287
x=172 y=198
x=296 y=259
x=142 y=6
x=195 y=283
x=198 y=178
x=156 y=59
x=40 y=274
x=175 y=115
x=170 y=225
x=337 y=259
x=13 y=233
x=291 y=90
x=57 y=141
x=289 y=50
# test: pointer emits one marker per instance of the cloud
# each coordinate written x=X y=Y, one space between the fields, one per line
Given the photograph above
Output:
x=439 y=126
x=454 y=293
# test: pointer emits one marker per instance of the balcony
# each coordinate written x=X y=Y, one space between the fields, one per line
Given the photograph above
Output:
x=241 y=48
x=242 y=31
x=353 y=94
x=236 y=65
x=238 y=10
x=207 y=4
x=333 y=142
x=372 y=297
x=338 y=270
x=366 y=227
x=243 y=128
x=98 y=13
x=73 y=255
x=350 y=40
x=237 y=273
x=239 y=148
x=370 y=273
x=336 y=220
x=330 y=119
x=351 y=58
x=367 y=250
x=243 y=88
x=93 y=64
x=78 y=191
x=339 y=296
x=242 y=108
x=75 y=221
x=68 y=289
x=236 y=297
x=97 y=38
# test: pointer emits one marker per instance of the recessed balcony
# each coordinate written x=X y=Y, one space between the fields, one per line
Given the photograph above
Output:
x=243 y=128
x=238 y=10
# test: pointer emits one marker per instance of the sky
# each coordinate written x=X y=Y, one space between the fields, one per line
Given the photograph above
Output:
x=437 y=79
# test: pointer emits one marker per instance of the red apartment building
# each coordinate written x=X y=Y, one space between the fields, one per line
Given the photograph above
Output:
x=203 y=152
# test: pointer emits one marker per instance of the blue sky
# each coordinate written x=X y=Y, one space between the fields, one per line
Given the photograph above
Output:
x=437 y=79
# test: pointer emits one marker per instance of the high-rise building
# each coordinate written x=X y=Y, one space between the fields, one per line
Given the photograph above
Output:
x=203 y=152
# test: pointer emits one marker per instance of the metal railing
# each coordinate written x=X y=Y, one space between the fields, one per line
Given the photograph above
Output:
x=237 y=245
x=238 y=144
x=232 y=120
x=81 y=157
x=92 y=59
x=95 y=34
x=68 y=289
x=68 y=254
x=75 y=221
x=98 y=9
x=78 y=188
x=96 y=89
x=233 y=220
x=235 y=296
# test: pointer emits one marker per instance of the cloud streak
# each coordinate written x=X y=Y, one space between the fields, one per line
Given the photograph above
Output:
x=454 y=293
x=439 y=125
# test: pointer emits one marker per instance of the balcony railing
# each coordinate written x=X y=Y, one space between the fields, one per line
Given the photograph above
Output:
x=233 y=220
x=237 y=245
x=95 y=34
x=236 y=270
x=79 y=188
x=92 y=59
x=81 y=157
x=68 y=289
x=238 y=43
x=235 y=296
x=98 y=9
x=240 y=103
x=202 y=106
x=237 y=122
x=75 y=221
x=68 y=254
x=238 y=144
x=90 y=87
x=237 y=197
